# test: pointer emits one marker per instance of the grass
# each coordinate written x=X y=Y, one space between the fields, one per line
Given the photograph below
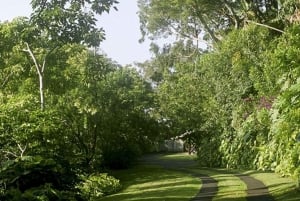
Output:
x=281 y=188
x=151 y=183
x=230 y=187
x=178 y=156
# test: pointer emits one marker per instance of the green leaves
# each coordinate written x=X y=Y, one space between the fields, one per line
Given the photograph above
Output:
x=183 y=19
x=96 y=186
x=70 y=21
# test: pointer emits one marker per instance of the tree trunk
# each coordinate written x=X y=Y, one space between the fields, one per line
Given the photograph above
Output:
x=41 y=92
x=207 y=28
x=40 y=72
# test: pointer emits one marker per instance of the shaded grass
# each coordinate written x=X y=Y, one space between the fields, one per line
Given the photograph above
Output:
x=152 y=183
x=281 y=188
x=230 y=187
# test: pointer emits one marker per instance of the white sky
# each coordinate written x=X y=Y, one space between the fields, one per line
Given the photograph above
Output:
x=121 y=27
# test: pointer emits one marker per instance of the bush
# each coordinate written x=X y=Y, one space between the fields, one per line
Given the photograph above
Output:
x=42 y=193
x=36 y=178
x=98 y=185
x=33 y=171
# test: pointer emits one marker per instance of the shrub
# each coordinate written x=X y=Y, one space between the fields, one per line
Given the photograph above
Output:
x=98 y=185
x=33 y=171
x=36 y=178
x=42 y=193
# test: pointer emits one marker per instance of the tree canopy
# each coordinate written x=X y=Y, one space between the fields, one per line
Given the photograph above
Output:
x=69 y=113
x=236 y=99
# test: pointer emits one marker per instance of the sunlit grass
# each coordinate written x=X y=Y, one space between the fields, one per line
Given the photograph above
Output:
x=152 y=183
x=281 y=188
x=178 y=156
x=230 y=187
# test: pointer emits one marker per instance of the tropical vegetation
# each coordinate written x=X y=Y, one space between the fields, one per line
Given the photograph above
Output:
x=230 y=81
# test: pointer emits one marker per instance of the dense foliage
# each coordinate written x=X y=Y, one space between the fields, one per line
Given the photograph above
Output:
x=98 y=185
x=238 y=101
x=65 y=110
x=68 y=113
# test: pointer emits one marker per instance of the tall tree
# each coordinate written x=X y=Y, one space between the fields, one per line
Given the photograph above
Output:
x=54 y=23
x=207 y=20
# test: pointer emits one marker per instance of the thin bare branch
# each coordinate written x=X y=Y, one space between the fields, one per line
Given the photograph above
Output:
x=22 y=150
x=6 y=80
x=38 y=67
x=10 y=153
x=264 y=25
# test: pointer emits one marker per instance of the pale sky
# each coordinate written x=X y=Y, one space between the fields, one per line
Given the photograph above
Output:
x=121 y=27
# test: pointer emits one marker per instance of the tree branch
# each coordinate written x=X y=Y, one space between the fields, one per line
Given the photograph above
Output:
x=40 y=70
x=10 y=153
x=38 y=67
x=6 y=80
x=199 y=15
x=233 y=14
x=22 y=150
x=264 y=25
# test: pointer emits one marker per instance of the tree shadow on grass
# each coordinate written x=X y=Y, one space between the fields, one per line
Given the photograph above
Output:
x=150 y=183
x=166 y=194
x=291 y=195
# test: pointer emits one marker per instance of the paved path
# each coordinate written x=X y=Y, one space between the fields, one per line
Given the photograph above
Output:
x=209 y=187
x=208 y=190
x=256 y=190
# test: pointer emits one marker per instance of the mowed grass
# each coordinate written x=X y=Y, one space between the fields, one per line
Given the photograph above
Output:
x=230 y=187
x=178 y=156
x=151 y=183
x=281 y=188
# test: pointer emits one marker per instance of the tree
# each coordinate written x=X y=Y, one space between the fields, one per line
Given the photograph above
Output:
x=165 y=60
x=54 y=23
x=186 y=19
x=207 y=20
x=128 y=127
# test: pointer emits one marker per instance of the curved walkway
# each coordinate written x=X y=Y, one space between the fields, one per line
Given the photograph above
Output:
x=208 y=190
x=256 y=190
x=209 y=187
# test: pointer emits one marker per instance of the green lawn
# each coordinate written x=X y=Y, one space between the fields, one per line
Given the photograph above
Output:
x=230 y=187
x=150 y=183
x=178 y=156
x=282 y=188
x=153 y=183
